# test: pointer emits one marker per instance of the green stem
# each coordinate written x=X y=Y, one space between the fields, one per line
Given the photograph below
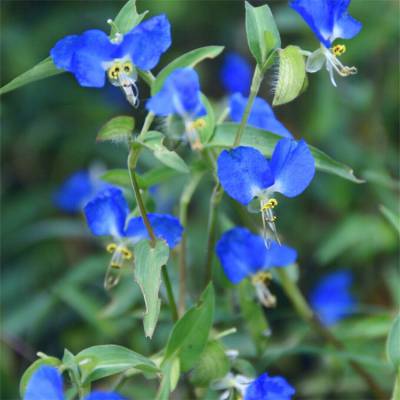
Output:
x=255 y=87
x=305 y=311
x=146 y=125
x=183 y=208
x=132 y=159
x=212 y=223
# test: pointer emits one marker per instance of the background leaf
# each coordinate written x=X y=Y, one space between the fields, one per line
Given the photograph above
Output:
x=393 y=344
x=127 y=18
x=118 y=128
x=148 y=264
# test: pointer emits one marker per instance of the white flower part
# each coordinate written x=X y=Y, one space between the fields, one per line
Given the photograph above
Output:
x=231 y=382
x=265 y=297
x=232 y=354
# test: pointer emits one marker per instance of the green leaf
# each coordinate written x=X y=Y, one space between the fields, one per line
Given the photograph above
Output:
x=253 y=315
x=393 y=344
x=154 y=142
x=208 y=130
x=100 y=361
x=189 y=335
x=213 y=364
x=291 y=75
x=51 y=361
x=44 y=69
x=118 y=128
x=391 y=217
x=262 y=33
x=166 y=373
x=148 y=263
x=174 y=374
x=127 y=18
x=120 y=177
x=189 y=59
x=265 y=142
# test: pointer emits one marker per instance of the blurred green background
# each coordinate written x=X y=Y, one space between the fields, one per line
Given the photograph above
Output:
x=52 y=270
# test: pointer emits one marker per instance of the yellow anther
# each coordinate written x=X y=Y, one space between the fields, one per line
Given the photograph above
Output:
x=261 y=277
x=338 y=49
x=115 y=265
x=111 y=247
x=128 y=67
x=127 y=254
x=115 y=70
x=271 y=203
x=199 y=123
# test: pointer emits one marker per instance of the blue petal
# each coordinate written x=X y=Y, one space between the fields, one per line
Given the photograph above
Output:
x=241 y=253
x=328 y=19
x=106 y=213
x=331 y=298
x=236 y=74
x=166 y=227
x=45 y=384
x=63 y=51
x=104 y=396
x=293 y=167
x=261 y=115
x=180 y=94
x=269 y=388
x=243 y=173
x=147 y=41
x=73 y=193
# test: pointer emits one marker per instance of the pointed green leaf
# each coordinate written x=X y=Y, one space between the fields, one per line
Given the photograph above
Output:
x=391 y=217
x=44 y=69
x=265 y=142
x=291 y=75
x=393 y=344
x=189 y=59
x=51 y=361
x=127 y=18
x=117 y=129
x=262 y=33
x=148 y=263
x=207 y=131
x=189 y=335
x=100 y=361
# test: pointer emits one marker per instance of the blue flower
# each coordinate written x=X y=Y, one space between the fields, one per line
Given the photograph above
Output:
x=77 y=190
x=266 y=387
x=329 y=20
x=180 y=95
x=236 y=74
x=90 y=55
x=108 y=215
x=46 y=384
x=332 y=299
x=243 y=254
x=261 y=115
x=245 y=173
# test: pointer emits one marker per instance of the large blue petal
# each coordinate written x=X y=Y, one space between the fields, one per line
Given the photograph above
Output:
x=243 y=173
x=328 y=19
x=166 y=227
x=63 y=51
x=261 y=115
x=293 y=167
x=236 y=74
x=87 y=63
x=106 y=213
x=104 y=396
x=332 y=299
x=279 y=255
x=180 y=94
x=147 y=41
x=73 y=193
x=45 y=384
x=266 y=387
x=241 y=253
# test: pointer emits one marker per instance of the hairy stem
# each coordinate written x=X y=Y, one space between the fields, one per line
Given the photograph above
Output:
x=212 y=223
x=183 y=209
x=132 y=159
x=255 y=87
x=305 y=311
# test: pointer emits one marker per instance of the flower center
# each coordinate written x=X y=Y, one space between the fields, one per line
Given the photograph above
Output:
x=269 y=205
x=119 y=67
x=338 y=50
x=261 y=277
x=120 y=253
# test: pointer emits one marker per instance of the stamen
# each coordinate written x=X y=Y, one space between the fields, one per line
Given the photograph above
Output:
x=260 y=282
x=111 y=247
x=338 y=50
x=271 y=203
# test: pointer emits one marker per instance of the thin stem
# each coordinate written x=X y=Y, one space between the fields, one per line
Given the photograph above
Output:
x=305 y=311
x=183 y=208
x=146 y=125
x=212 y=223
x=255 y=87
x=131 y=168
